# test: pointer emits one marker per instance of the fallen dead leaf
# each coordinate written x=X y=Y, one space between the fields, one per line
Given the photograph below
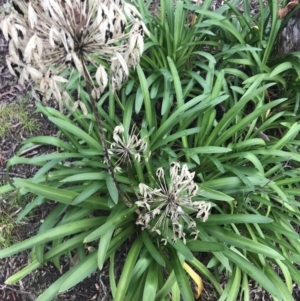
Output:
x=289 y=7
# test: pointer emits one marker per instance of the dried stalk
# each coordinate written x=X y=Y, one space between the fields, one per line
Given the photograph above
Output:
x=99 y=122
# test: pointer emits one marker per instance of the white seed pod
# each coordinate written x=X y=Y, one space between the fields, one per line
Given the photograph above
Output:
x=64 y=39
x=137 y=157
x=117 y=138
x=83 y=108
x=121 y=76
x=39 y=43
x=160 y=172
x=75 y=106
x=145 y=29
x=46 y=5
x=54 y=35
x=117 y=29
x=110 y=12
x=98 y=18
x=96 y=93
x=21 y=28
x=179 y=210
x=35 y=74
x=10 y=68
x=29 y=49
x=39 y=62
x=52 y=13
x=101 y=77
x=131 y=12
x=66 y=98
x=57 y=9
x=119 y=129
x=122 y=62
x=44 y=85
x=114 y=66
x=70 y=41
x=175 y=167
x=57 y=93
x=13 y=52
x=14 y=34
x=118 y=12
x=69 y=3
x=135 y=56
x=203 y=210
x=117 y=169
x=24 y=76
x=55 y=90
x=47 y=95
x=140 y=44
x=105 y=10
x=117 y=82
x=112 y=83
x=5 y=26
x=132 y=41
x=156 y=230
x=68 y=58
x=128 y=56
x=77 y=63
x=32 y=16
x=60 y=79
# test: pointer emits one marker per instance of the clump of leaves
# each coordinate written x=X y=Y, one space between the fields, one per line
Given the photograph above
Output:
x=203 y=165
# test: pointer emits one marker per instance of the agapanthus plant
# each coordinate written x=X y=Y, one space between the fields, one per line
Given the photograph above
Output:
x=48 y=36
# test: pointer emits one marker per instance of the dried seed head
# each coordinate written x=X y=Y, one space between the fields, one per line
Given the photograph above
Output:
x=171 y=203
x=124 y=148
x=75 y=34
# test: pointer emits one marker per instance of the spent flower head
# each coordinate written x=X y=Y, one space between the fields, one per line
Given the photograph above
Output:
x=168 y=202
x=124 y=147
x=55 y=35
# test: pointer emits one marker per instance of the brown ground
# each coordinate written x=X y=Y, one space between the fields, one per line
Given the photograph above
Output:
x=95 y=287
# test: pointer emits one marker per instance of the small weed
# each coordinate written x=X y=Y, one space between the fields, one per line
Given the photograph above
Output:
x=14 y=116
x=11 y=205
x=7 y=225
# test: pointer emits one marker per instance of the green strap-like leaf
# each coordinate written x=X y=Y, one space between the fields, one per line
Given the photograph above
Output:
x=152 y=249
x=127 y=270
x=151 y=282
x=61 y=195
x=49 y=235
x=242 y=242
x=181 y=276
x=112 y=189
x=255 y=273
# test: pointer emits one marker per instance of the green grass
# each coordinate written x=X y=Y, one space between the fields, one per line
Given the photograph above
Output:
x=15 y=116
x=10 y=205
x=7 y=226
